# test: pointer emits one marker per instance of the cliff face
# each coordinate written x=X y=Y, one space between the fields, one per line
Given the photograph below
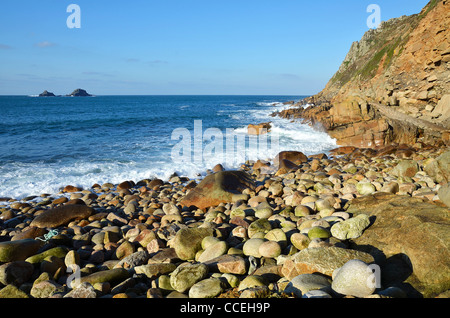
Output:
x=393 y=86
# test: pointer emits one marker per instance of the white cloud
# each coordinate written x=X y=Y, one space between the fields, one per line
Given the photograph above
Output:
x=45 y=44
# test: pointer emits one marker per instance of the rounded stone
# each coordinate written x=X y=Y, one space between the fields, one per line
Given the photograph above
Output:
x=186 y=275
x=264 y=213
x=252 y=281
x=259 y=226
x=213 y=251
x=318 y=232
x=300 y=241
x=302 y=210
x=208 y=241
x=277 y=235
x=270 y=249
x=207 y=288
x=351 y=228
x=316 y=294
x=365 y=188
x=251 y=247
x=355 y=278
x=305 y=283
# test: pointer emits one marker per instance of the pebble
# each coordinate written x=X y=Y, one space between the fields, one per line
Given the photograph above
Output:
x=213 y=251
x=252 y=281
x=186 y=275
x=207 y=288
x=305 y=283
x=269 y=249
x=355 y=278
x=351 y=228
x=251 y=247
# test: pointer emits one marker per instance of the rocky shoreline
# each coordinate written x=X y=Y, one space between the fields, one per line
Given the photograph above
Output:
x=297 y=227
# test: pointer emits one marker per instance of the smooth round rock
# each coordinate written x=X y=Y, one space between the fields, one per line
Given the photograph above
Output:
x=355 y=278
x=351 y=228
x=213 y=251
x=259 y=226
x=186 y=275
x=252 y=281
x=251 y=247
x=207 y=288
x=304 y=283
x=318 y=232
x=300 y=241
x=270 y=249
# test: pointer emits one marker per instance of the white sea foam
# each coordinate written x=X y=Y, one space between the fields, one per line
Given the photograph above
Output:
x=18 y=180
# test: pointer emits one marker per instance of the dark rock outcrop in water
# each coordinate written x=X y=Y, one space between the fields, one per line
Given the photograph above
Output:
x=46 y=94
x=79 y=93
x=392 y=86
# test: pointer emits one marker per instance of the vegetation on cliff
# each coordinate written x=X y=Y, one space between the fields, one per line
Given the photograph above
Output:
x=393 y=85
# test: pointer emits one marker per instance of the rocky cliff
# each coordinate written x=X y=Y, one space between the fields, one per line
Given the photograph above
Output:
x=392 y=87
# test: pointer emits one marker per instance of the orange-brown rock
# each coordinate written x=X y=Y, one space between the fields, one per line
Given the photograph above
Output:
x=286 y=166
x=126 y=185
x=392 y=86
x=220 y=187
x=61 y=215
x=295 y=157
x=259 y=129
x=71 y=188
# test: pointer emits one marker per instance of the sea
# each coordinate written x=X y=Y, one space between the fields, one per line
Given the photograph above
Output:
x=47 y=143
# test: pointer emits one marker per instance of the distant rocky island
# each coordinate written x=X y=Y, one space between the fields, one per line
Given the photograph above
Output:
x=46 y=94
x=76 y=93
x=79 y=93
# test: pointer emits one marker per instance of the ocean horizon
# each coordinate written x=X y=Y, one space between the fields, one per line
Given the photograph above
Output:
x=49 y=142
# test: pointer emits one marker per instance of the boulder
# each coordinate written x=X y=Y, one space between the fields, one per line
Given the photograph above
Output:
x=439 y=168
x=228 y=264
x=286 y=166
x=61 y=215
x=355 y=278
x=213 y=251
x=112 y=276
x=405 y=168
x=188 y=241
x=18 y=250
x=154 y=270
x=409 y=239
x=304 y=283
x=444 y=194
x=186 y=275
x=207 y=288
x=295 y=157
x=259 y=129
x=15 y=273
x=322 y=260
x=220 y=187
x=11 y=291
x=79 y=93
x=351 y=228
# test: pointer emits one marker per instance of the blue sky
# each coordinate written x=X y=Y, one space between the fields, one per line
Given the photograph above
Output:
x=255 y=47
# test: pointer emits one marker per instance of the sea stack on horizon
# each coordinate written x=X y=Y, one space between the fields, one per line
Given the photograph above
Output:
x=79 y=93
x=46 y=94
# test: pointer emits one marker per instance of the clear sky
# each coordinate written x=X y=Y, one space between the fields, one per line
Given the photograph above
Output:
x=147 y=47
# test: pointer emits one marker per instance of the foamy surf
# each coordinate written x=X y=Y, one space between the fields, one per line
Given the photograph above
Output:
x=133 y=143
